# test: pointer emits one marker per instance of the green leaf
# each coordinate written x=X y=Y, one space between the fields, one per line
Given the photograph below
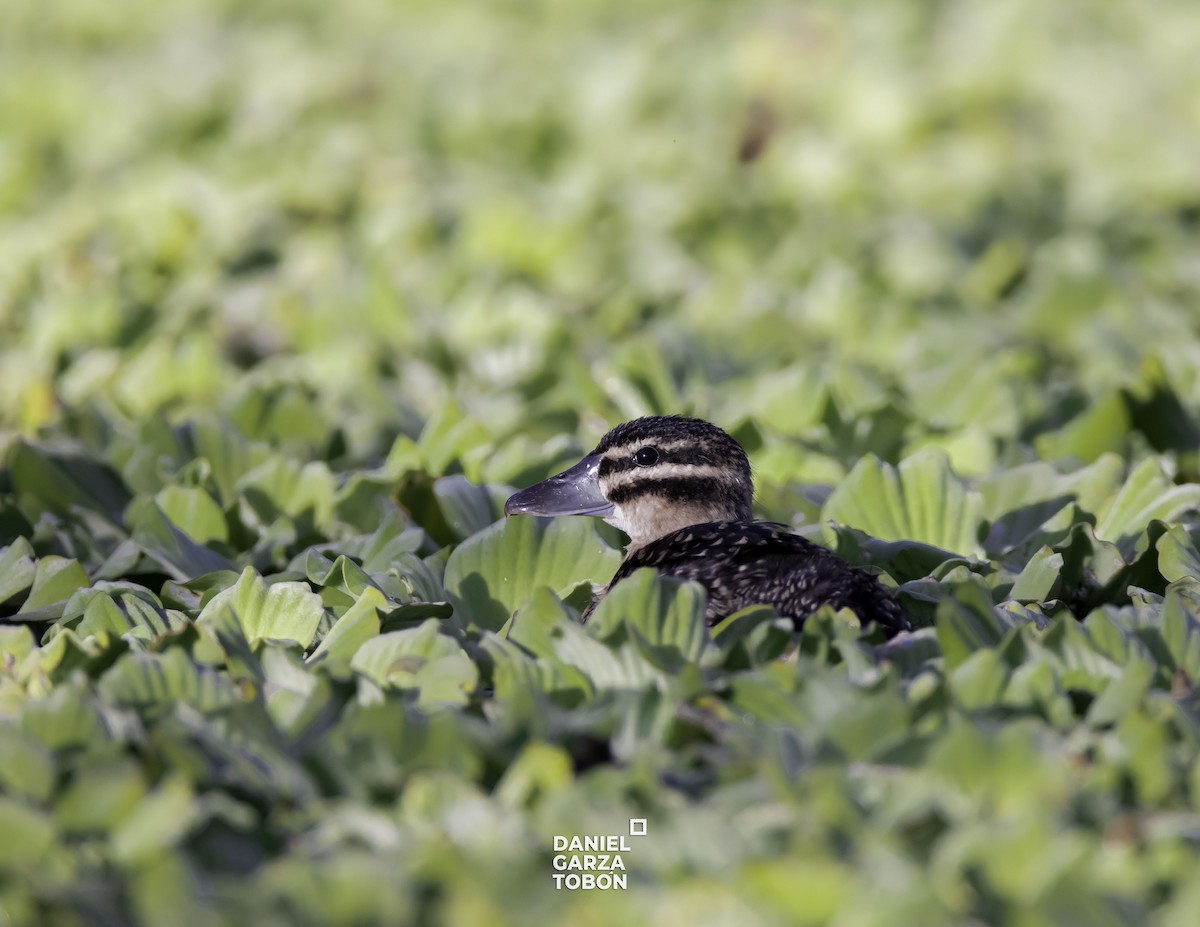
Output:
x=281 y=414
x=858 y=727
x=229 y=454
x=665 y=613
x=807 y=895
x=1160 y=414
x=291 y=488
x=179 y=555
x=412 y=578
x=54 y=581
x=520 y=679
x=921 y=500
x=751 y=637
x=467 y=508
x=961 y=393
x=538 y=770
x=533 y=624
x=1020 y=502
x=96 y=801
x=1101 y=429
x=1086 y=556
x=619 y=669
x=421 y=659
x=1144 y=741
x=341 y=580
x=165 y=679
x=1177 y=555
x=128 y=613
x=17 y=568
x=66 y=718
x=28 y=835
x=194 y=512
x=16 y=641
x=59 y=478
x=967 y=622
x=296 y=698
x=903 y=560
x=449 y=436
x=489 y=575
x=790 y=400
x=1147 y=494
x=1180 y=631
x=158 y=822
x=394 y=536
x=357 y=625
x=762 y=698
x=283 y=611
x=977 y=681
x=27 y=766
x=1080 y=663
x=1036 y=581
x=1123 y=694
x=192 y=594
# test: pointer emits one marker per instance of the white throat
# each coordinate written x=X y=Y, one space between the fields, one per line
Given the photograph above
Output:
x=647 y=519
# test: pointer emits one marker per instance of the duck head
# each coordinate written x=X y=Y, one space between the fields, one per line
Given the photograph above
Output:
x=649 y=477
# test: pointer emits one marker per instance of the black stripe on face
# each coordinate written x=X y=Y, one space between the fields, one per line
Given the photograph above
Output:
x=691 y=454
x=673 y=489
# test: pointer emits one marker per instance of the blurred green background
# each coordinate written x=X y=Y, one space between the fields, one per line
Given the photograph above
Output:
x=277 y=275
x=983 y=212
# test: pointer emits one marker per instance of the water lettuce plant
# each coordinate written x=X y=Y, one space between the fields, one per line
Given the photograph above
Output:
x=292 y=295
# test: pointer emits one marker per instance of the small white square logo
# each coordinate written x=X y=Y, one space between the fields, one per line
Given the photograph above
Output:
x=637 y=827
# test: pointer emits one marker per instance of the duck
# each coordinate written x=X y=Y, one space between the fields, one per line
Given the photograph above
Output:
x=682 y=490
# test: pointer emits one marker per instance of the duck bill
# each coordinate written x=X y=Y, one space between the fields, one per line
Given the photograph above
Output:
x=572 y=492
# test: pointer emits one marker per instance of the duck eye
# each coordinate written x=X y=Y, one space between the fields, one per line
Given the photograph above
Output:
x=646 y=457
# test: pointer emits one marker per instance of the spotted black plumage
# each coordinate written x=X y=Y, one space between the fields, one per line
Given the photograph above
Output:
x=681 y=489
x=757 y=563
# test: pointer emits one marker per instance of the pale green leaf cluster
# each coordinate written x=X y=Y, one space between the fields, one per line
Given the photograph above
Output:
x=292 y=295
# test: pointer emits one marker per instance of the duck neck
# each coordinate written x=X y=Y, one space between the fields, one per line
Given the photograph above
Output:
x=647 y=519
